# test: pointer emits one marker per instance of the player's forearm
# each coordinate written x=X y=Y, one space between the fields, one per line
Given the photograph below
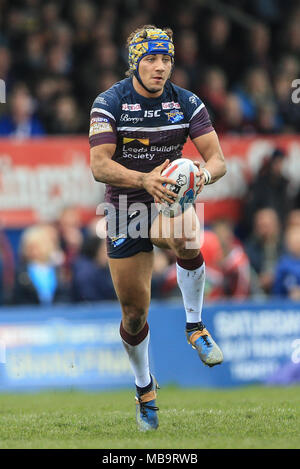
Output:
x=112 y=173
x=216 y=167
x=208 y=146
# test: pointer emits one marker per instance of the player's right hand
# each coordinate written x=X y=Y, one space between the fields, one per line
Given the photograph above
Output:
x=155 y=184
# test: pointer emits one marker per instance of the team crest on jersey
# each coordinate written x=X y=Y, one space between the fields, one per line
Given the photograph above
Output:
x=174 y=116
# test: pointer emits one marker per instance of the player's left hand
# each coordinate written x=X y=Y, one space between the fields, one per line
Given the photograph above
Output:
x=200 y=174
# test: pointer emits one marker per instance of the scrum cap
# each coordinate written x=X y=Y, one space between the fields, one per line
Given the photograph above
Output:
x=147 y=42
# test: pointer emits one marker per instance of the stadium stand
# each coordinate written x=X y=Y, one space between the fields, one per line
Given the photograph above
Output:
x=55 y=57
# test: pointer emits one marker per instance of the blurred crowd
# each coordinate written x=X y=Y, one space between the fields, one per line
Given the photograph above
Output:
x=259 y=258
x=57 y=56
x=56 y=262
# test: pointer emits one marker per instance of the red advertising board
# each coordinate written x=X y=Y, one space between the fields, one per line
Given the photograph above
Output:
x=39 y=177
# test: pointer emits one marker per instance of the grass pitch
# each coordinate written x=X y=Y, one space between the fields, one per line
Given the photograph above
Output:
x=253 y=417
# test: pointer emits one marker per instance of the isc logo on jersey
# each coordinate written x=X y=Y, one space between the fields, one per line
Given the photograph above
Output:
x=152 y=113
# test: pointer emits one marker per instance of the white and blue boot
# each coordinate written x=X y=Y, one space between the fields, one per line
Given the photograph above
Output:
x=201 y=340
x=146 y=410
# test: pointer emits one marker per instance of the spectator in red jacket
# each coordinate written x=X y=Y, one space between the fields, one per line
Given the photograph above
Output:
x=235 y=263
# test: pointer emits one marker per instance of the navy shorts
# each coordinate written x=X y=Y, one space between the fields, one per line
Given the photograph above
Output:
x=128 y=231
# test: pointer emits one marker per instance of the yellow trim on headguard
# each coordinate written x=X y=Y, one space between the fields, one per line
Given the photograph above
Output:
x=156 y=42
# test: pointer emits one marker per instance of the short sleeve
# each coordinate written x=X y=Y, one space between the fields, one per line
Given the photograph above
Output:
x=103 y=121
x=199 y=119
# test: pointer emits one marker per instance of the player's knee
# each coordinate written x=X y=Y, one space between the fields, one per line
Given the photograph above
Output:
x=134 y=318
x=185 y=248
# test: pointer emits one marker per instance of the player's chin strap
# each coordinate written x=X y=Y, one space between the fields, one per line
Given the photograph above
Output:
x=137 y=76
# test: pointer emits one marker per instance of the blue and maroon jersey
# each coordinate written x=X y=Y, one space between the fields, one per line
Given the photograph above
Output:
x=146 y=131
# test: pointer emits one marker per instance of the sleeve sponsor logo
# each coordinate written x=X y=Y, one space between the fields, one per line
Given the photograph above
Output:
x=99 y=128
x=99 y=119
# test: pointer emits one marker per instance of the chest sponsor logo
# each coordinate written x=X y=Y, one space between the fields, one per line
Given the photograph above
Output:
x=170 y=105
x=174 y=116
x=144 y=141
x=133 y=120
x=147 y=152
x=131 y=107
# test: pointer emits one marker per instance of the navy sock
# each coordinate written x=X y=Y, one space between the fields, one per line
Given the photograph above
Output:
x=147 y=388
x=189 y=326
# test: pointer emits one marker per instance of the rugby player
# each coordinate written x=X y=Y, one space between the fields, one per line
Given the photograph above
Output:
x=137 y=127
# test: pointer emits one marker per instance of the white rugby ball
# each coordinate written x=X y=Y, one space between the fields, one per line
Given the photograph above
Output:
x=183 y=171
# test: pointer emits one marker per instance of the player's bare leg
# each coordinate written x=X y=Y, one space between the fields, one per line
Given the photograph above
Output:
x=132 y=281
x=182 y=235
